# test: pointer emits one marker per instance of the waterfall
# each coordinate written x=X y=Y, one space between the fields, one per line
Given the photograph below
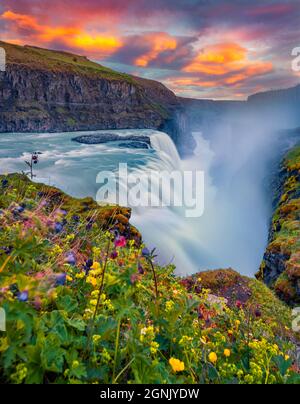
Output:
x=166 y=149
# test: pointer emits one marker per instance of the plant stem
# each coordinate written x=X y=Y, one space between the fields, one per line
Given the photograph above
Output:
x=116 y=350
x=154 y=277
x=102 y=281
x=123 y=370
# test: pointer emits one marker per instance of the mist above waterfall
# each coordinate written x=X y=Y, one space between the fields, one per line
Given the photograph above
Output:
x=238 y=153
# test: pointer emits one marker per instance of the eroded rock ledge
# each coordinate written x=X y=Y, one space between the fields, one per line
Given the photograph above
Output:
x=280 y=268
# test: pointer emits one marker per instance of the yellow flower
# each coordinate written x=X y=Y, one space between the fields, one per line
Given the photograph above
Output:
x=286 y=357
x=91 y=280
x=176 y=365
x=96 y=338
x=203 y=339
x=96 y=266
x=69 y=278
x=237 y=323
x=169 y=305
x=93 y=302
x=154 y=347
x=75 y=364
x=212 y=357
x=81 y=275
x=227 y=353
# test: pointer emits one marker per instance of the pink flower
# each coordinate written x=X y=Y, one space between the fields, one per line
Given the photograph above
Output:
x=120 y=241
x=239 y=304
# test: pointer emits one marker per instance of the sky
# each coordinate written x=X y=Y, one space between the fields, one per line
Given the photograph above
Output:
x=219 y=49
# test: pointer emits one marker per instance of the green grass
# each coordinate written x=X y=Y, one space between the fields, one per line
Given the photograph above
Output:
x=59 y=61
x=84 y=305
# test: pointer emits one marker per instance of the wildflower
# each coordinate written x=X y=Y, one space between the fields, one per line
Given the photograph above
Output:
x=7 y=250
x=93 y=281
x=237 y=323
x=70 y=258
x=81 y=275
x=230 y=333
x=96 y=338
x=4 y=183
x=239 y=304
x=212 y=357
x=140 y=269
x=204 y=339
x=90 y=222
x=114 y=255
x=169 y=306
x=147 y=333
x=87 y=266
x=75 y=364
x=75 y=218
x=286 y=357
x=23 y=296
x=145 y=252
x=95 y=266
x=185 y=340
x=176 y=365
x=227 y=353
x=257 y=313
x=61 y=279
x=120 y=241
x=93 y=302
x=154 y=347
x=20 y=209
x=69 y=278
x=58 y=227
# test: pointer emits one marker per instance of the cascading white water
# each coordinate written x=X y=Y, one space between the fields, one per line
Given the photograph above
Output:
x=166 y=149
x=232 y=231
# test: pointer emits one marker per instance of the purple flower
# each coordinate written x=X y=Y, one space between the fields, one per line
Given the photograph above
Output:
x=23 y=296
x=88 y=265
x=114 y=255
x=7 y=250
x=70 y=258
x=58 y=227
x=89 y=224
x=4 y=183
x=75 y=218
x=140 y=269
x=145 y=252
x=61 y=279
x=257 y=313
x=20 y=209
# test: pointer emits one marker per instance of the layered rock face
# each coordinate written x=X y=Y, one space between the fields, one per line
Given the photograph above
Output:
x=52 y=91
x=280 y=268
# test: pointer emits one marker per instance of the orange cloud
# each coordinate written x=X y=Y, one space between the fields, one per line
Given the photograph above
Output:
x=224 y=59
x=159 y=42
x=217 y=59
x=73 y=37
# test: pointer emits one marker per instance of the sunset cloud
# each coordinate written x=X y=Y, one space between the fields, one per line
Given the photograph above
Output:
x=227 y=49
x=71 y=37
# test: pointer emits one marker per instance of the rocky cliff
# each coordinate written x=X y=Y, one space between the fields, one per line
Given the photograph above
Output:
x=280 y=268
x=45 y=90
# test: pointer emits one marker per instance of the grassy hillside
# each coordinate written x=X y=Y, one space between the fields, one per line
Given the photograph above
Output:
x=58 y=61
x=284 y=247
x=86 y=303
